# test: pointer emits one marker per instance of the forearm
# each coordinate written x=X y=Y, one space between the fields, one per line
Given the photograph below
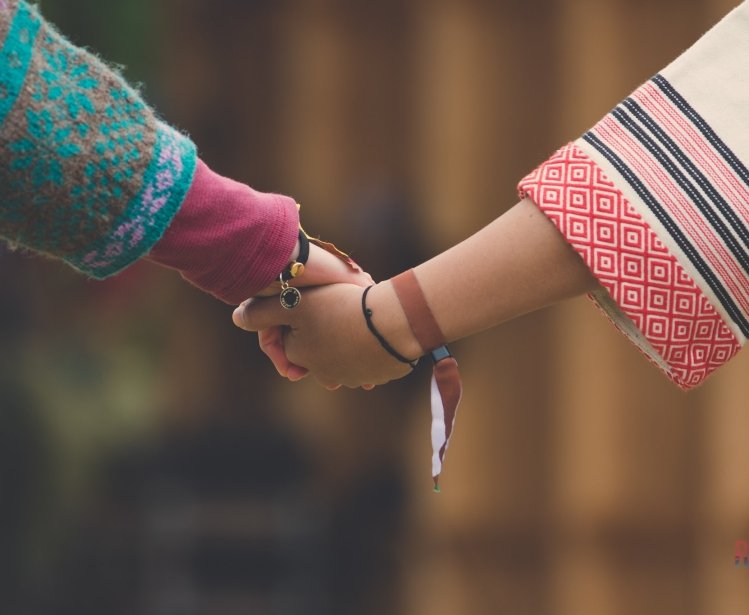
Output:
x=518 y=263
x=652 y=200
x=89 y=174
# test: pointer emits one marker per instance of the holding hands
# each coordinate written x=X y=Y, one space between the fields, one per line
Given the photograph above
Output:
x=519 y=262
x=321 y=266
x=327 y=334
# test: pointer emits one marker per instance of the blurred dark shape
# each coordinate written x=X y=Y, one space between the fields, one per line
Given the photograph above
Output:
x=388 y=237
x=225 y=519
x=24 y=492
x=15 y=316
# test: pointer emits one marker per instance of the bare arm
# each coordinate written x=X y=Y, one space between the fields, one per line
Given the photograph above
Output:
x=517 y=264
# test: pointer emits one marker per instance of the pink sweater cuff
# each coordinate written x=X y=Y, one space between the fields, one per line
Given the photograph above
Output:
x=227 y=238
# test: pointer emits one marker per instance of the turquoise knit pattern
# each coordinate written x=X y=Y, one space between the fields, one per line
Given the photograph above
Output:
x=87 y=172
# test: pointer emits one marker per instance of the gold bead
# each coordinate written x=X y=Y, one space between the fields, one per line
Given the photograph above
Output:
x=296 y=269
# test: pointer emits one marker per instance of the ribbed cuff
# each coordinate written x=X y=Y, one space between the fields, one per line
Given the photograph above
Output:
x=228 y=239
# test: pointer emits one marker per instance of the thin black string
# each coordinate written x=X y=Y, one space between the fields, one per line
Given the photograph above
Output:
x=383 y=342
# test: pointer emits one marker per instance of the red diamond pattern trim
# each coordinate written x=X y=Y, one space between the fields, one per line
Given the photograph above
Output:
x=641 y=275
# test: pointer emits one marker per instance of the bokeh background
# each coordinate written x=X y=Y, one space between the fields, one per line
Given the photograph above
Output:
x=152 y=462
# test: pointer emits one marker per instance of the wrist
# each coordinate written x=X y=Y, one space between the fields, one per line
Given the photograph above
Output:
x=227 y=238
x=295 y=253
x=391 y=320
x=298 y=258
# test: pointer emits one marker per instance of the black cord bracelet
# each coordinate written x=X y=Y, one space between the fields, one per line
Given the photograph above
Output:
x=383 y=342
x=296 y=268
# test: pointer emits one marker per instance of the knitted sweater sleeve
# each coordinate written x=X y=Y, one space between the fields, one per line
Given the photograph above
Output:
x=90 y=175
x=655 y=199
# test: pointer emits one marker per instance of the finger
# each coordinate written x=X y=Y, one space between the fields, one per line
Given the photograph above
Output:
x=325 y=268
x=271 y=343
x=297 y=372
x=367 y=387
x=362 y=279
x=328 y=384
x=258 y=314
x=356 y=275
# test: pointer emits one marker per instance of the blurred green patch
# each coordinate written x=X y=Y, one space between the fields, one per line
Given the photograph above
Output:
x=124 y=33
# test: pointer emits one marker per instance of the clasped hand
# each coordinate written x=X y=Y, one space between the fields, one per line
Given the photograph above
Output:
x=326 y=334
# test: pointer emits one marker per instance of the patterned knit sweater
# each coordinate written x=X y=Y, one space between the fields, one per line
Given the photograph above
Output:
x=89 y=174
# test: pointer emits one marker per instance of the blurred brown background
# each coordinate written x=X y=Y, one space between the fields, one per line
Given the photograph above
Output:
x=150 y=460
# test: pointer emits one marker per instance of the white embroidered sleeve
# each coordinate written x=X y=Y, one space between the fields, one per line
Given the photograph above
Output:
x=655 y=199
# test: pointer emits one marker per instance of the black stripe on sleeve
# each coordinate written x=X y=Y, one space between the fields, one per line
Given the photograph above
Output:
x=686 y=162
x=733 y=161
x=681 y=179
x=676 y=233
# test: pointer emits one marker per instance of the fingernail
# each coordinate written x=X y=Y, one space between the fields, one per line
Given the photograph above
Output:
x=238 y=316
x=296 y=373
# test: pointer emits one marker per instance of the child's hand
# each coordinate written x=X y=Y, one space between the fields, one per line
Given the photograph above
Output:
x=327 y=335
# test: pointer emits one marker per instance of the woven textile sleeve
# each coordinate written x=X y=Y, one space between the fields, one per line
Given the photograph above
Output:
x=655 y=199
x=87 y=172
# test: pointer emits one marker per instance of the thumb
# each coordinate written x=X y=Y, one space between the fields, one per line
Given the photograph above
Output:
x=256 y=314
